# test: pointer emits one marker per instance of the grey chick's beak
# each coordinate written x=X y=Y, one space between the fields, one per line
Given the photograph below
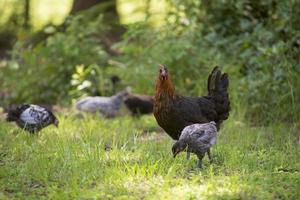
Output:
x=175 y=154
x=56 y=122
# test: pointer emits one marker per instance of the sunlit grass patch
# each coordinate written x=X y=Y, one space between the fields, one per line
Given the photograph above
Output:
x=130 y=158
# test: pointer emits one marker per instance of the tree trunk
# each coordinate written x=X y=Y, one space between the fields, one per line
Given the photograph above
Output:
x=111 y=17
x=79 y=5
x=26 y=14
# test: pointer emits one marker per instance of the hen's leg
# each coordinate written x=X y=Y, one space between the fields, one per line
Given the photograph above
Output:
x=209 y=156
x=200 y=157
x=188 y=155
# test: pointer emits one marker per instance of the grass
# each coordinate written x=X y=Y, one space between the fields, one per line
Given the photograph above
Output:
x=71 y=162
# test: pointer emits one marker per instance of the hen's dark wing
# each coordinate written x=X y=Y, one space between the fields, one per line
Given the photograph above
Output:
x=195 y=110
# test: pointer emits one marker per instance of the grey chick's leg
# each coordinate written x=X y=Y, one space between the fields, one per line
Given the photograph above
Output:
x=209 y=156
x=199 y=164
x=188 y=155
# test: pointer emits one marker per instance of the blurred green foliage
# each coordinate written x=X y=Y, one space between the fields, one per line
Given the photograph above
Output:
x=256 y=42
x=42 y=73
x=11 y=24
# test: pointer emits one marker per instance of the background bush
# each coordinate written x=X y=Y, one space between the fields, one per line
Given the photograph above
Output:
x=256 y=42
x=43 y=73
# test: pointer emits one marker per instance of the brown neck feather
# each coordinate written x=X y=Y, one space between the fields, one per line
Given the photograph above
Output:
x=165 y=89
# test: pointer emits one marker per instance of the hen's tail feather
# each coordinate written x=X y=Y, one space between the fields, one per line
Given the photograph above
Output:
x=217 y=86
x=211 y=79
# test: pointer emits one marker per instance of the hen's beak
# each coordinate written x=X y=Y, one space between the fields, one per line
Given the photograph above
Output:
x=163 y=72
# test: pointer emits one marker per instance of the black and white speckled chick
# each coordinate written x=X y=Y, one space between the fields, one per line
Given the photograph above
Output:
x=197 y=138
x=32 y=118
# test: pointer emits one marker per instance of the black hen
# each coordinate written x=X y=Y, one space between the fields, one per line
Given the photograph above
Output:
x=173 y=112
x=31 y=118
x=139 y=104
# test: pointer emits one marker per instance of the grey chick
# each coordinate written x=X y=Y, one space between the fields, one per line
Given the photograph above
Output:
x=107 y=106
x=197 y=138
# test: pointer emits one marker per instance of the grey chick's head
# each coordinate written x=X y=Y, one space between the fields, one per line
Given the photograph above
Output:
x=178 y=147
x=213 y=123
x=123 y=93
x=53 y=119
x=56 y=122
